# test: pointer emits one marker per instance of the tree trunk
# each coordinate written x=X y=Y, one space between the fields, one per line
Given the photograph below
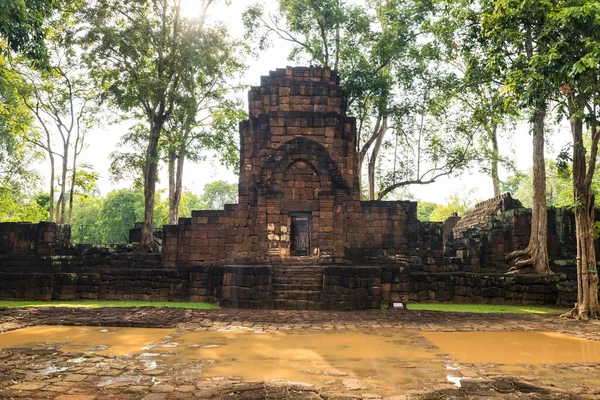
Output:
x=51 y=200
x=179 y=183
x=587 y=275
x=72 y=188
x=172 y=214
x=63 y=195
x=175 y=185
x=495 y=157
x=337 y=45
x=363 y=151
x=537 y=249
x=373 y=159
x=150 y=174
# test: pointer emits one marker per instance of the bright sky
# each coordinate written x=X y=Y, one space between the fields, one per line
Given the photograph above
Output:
x=103 y=140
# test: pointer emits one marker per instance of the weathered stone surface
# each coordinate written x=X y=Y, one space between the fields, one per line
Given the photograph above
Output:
x=353 y=384
x=298 y=159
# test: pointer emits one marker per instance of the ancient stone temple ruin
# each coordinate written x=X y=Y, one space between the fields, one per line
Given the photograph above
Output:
x=299 y=236
x=299 y=194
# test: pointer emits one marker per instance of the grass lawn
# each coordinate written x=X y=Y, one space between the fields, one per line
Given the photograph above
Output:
x=100 y=303
x=486 y=308
x=472 y=308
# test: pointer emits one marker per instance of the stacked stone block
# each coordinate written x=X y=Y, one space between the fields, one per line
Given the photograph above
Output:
x=461 y=287
x=496 y=227
x=297 y=157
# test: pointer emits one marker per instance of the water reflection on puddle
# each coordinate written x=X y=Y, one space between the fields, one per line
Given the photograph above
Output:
x=515 y=347
x=313 y=357
x=111 y=341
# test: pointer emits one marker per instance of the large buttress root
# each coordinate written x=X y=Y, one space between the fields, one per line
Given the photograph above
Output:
x=528 y=261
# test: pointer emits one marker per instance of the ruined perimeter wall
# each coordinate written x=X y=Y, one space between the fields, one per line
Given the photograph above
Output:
x=36 y=263
x=496 y=227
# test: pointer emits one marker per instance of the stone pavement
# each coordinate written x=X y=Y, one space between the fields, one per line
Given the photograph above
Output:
x=270 y=320
x=47 y=373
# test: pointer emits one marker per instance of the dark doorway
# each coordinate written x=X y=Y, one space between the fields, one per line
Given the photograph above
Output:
x=300 y=235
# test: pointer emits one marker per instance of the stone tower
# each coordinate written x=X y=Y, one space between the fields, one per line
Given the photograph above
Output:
x=298 y=186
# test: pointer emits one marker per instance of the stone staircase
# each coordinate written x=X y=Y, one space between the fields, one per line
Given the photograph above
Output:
x=297 y=287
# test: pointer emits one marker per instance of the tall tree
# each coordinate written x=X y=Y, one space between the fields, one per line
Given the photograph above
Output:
x=141 y=53
x=24 y=28
x=572 y=63
x=206 y=118
x=512 y=35
x=460 y=41
x=62 y=100
x=15 y=124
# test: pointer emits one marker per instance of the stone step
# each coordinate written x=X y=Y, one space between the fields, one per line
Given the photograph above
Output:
x=302 y=278
x=295 y=295
x=302 y=285
x=303 y=275
x=290 y=287
x=298 y=276
x=275 y=273
x=298 y=279
x=296 y=269
x=295 y=305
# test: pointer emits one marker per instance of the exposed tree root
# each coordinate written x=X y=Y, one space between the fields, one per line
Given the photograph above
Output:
x=519 y=270
x=580 y=313
x=138 y=248
x=518 y=253
x=572 y=314
x=525 y=262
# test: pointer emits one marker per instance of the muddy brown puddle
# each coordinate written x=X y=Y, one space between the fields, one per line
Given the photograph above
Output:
x=99 y=340
x=375 y=362
x=515 y=347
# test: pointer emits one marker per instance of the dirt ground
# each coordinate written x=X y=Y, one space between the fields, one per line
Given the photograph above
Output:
x=44 y=372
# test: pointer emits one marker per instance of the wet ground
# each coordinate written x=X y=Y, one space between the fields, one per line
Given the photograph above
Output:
x=242 y=354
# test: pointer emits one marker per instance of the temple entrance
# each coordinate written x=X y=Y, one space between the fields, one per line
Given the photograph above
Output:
x=300 y=243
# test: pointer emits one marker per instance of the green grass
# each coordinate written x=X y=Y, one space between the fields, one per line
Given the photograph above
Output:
x=486 y=308
x=99 y=303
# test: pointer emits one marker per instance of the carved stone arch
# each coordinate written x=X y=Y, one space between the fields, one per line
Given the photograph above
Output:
x=302 y=181
x=308 y=163
x=305 y=150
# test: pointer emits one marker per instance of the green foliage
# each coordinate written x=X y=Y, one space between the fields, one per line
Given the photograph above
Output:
x=513 y=31
x=17 y=181
x=456 y=203
x=189 y=202
x=120 y=211
x=512 y=183
x=24 y=25
x=424 y=210
x=109 y=219
x=485 y=308
x=87 y=220
x=15 y=206
x=108 y=303
x=559 y=186
x=217 y=194
x=15 y=125
x=62 y=100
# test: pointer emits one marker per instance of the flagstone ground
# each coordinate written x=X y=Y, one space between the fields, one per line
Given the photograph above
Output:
x=32 y=373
